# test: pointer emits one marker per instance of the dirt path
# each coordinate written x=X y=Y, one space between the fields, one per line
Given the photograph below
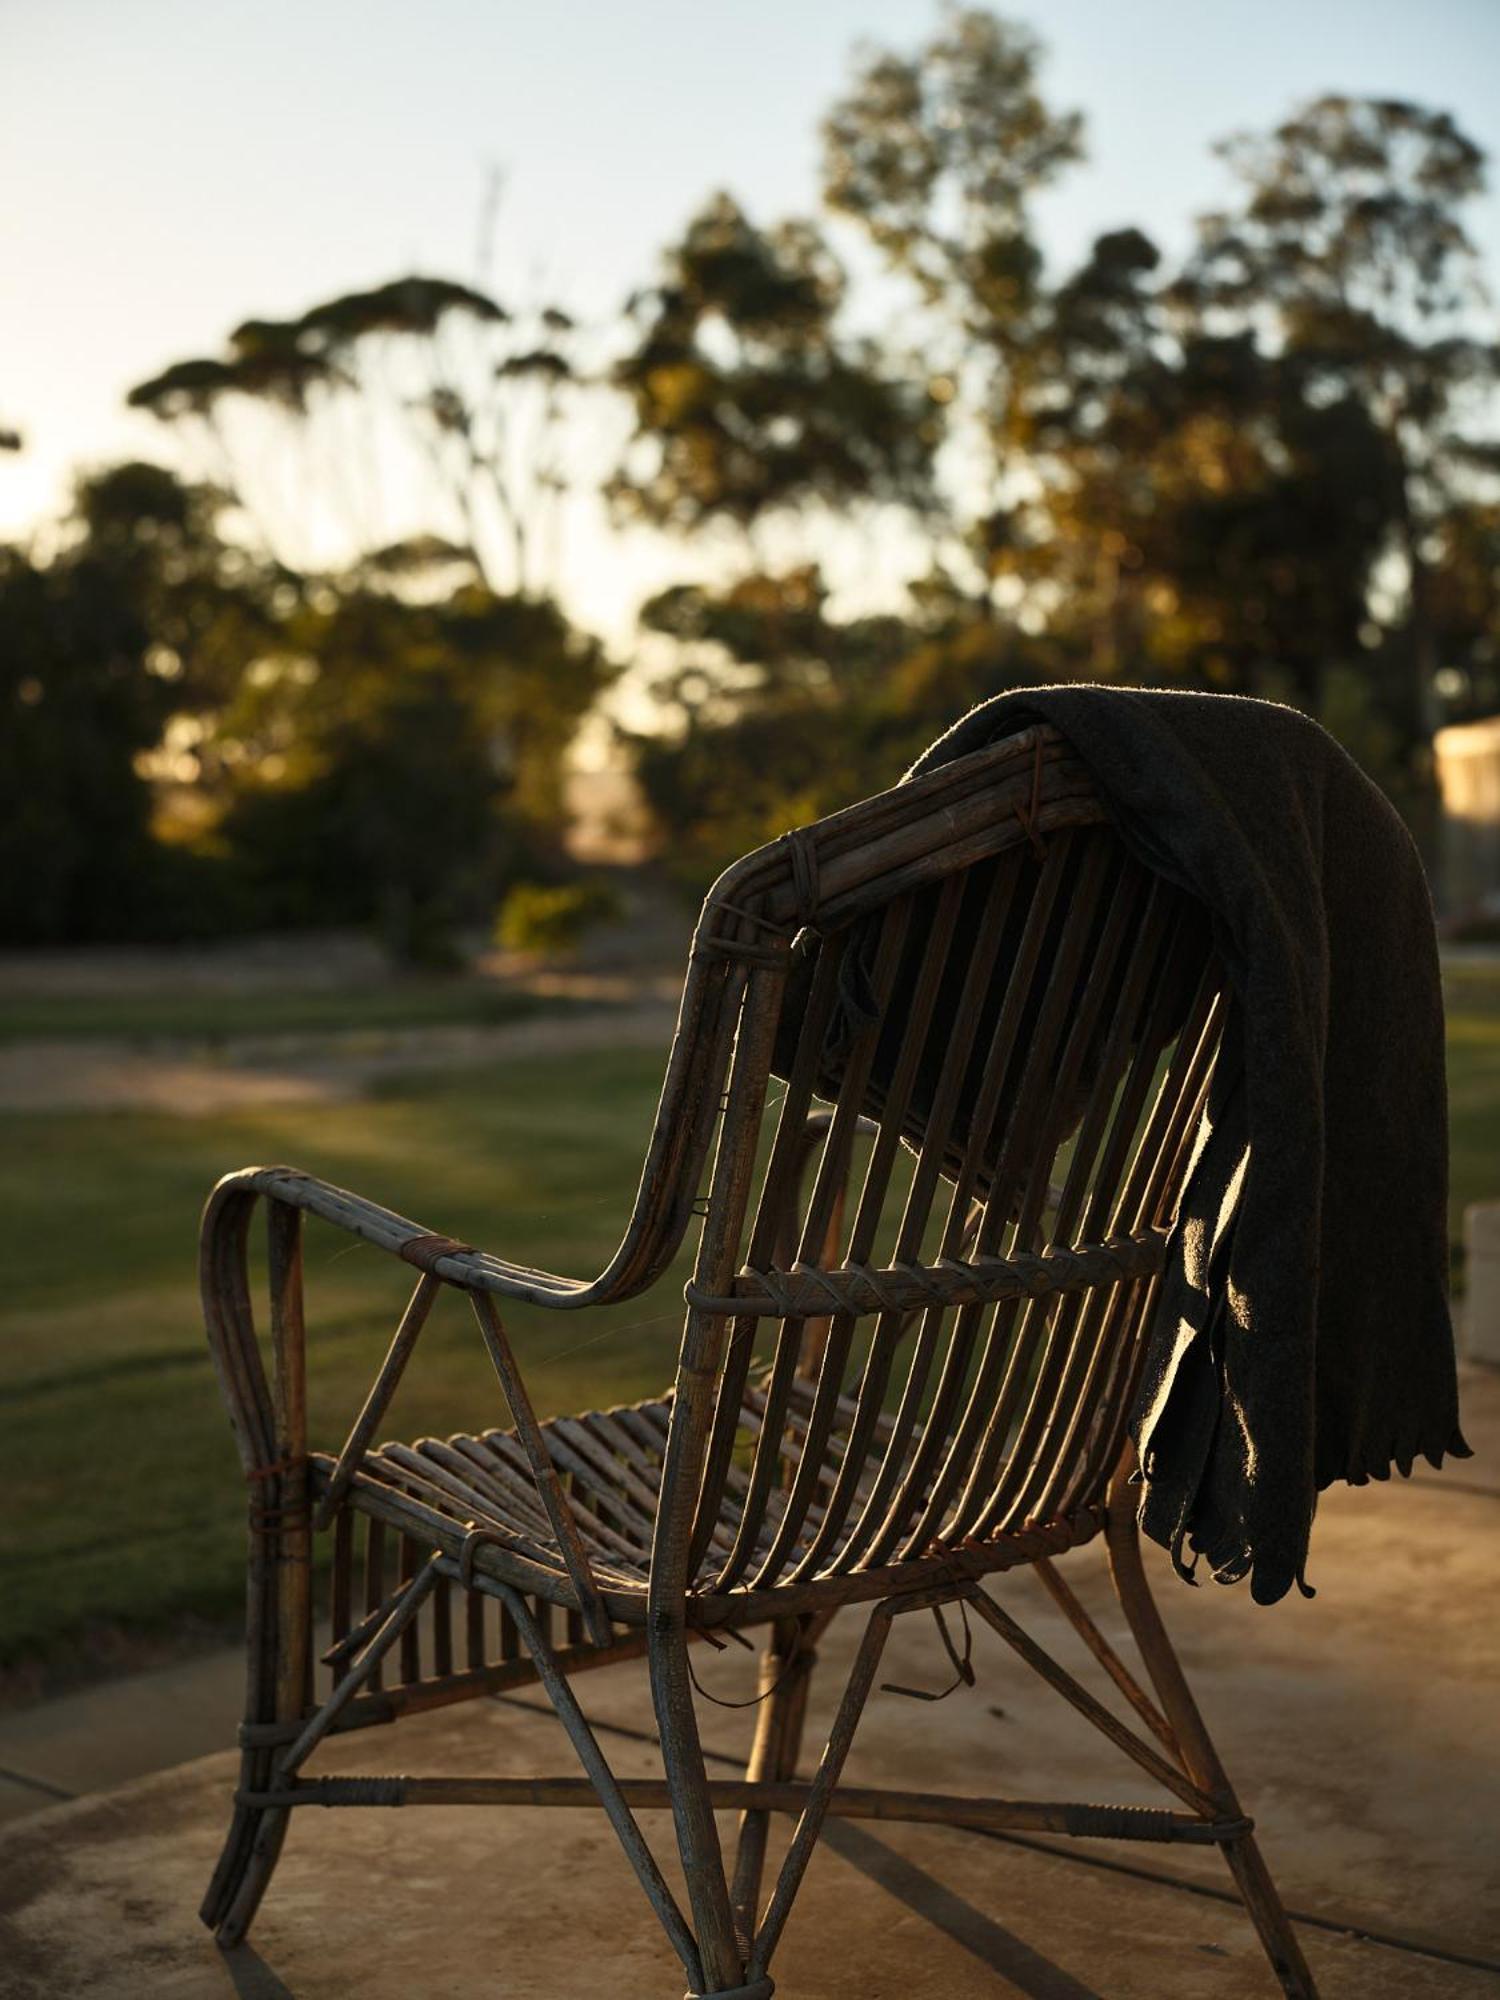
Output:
x=618 y=990
x=191 y=1081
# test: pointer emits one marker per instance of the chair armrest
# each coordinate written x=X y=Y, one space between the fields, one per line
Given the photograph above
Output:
x=269 y=1418
x=442 y=1256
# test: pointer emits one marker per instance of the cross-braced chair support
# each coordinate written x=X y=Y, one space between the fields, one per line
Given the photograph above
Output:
x=981 y=974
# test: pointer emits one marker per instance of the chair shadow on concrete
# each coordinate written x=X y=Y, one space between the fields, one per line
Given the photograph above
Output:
x=252 y=1978
x=1000 y=1950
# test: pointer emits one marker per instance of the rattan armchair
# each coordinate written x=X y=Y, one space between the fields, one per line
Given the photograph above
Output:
x=949 y=1334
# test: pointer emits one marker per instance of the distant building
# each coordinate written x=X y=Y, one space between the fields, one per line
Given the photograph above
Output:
x=1468 y=767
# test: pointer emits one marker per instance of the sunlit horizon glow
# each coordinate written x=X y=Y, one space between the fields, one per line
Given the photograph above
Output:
x=170 y=174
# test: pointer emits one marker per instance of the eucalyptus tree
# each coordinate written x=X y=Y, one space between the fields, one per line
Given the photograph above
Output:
x=750 y=400
x=1347 y=254
x=417 y=424
x=937 y=158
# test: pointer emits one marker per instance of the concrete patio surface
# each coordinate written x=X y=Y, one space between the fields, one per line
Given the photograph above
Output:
x=1362 y=1729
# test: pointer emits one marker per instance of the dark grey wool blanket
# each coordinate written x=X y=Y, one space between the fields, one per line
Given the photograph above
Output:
x=1303 y=1333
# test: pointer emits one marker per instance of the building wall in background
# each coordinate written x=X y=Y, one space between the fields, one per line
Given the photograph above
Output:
x=1468 y=765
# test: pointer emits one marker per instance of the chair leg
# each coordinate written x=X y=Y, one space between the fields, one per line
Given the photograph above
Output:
x=278 y=1687
x=251 y=1850
x=721 y=1958
x=785 y=1675
x=272 y=1429
x=273 y=1691
x=1199 y=1757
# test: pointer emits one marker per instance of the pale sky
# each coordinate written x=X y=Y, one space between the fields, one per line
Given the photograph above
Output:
x=170 y=167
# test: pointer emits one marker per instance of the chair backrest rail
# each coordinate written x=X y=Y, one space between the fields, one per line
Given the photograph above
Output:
x=875 y=1190
x=1021 y=1186
x=1136 y=917
x=1088 y=1330
x=868 y=1214
x=968 y=826
x=1123 y=1311
x=776 y=1195
x=814 y=1243
x=978 y=980
x=1018 y=1147
x=893 y=1320
x=1045 y=1335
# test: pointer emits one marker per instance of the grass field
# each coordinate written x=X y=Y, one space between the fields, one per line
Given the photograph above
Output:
x=1473 y=999
x=220 y=1017
x=123 y=1505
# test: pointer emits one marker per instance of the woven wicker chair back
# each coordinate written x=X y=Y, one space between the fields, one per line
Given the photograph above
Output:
x=972 y=1043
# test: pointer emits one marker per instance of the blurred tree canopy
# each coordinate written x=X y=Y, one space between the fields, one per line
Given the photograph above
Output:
x=1271 y=470
x=142 y=610
x=399 y=764
x=748 y=398
x=203 y=740
x=320 y=672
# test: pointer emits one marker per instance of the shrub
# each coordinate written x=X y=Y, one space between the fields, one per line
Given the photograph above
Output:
x=553 y=916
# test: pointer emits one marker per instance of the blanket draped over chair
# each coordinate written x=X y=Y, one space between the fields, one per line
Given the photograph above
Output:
x=1303 y=1333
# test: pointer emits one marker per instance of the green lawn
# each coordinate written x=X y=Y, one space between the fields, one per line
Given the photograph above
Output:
x=124 y=1505
x=123 y=1501
x=214 y=1017
x=1473 y=996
